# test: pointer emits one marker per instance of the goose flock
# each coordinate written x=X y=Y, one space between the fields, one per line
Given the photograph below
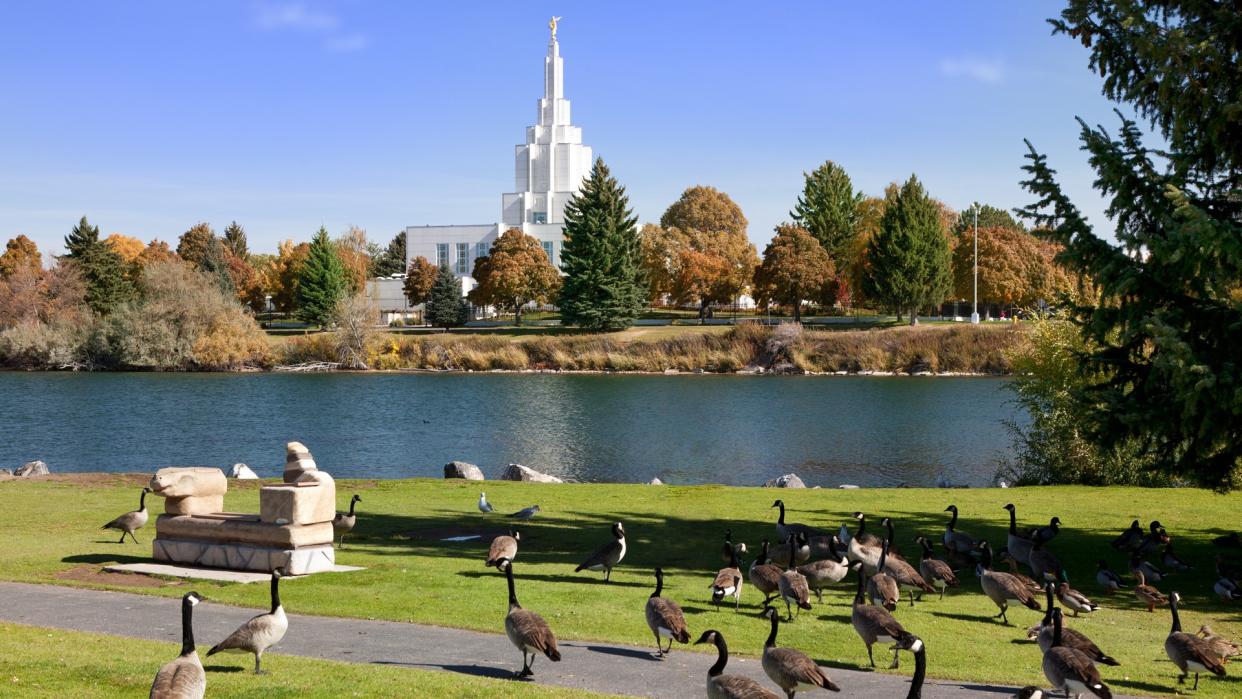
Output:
x=805 y=560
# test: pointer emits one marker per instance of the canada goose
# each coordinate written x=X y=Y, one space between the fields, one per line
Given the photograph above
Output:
x=182 y=678
x=527 y=513
x=1172 y=560
x=261 y=632
x=484 y=505
x=729 y=548
x=955 y=541
x=665 y=618
x=794 y=590
x=765 y=576
x=1226 y=568
x=1002 y=588
x=343 y=523
x=1154 y=539
x=906 y=577
x=1030 y=692
x=1004 y=555
x=791 y=669
x=799 y=546
x=1070 y=670
x=608 y=555
x=1151 y=573
x=1222 y=646
x=874 y=624
x=131 y=522
x=1227 y=590
x=722 y=686
x=527 y=630
x=1073 y=599
x=1043 y=563
x=864 y=546
x=1042 y=633
x=882 y=585
x=1232 y=540
x=915 y=645
x=1110 y=581
x=1147 y=594
x=1046 y=533
x=824 y=572
x=823 y=546
x=783 y=530
x=1019 y=545
x=1188 y=652
x=934 y=570
x=504 y=547
x=728 y=582
x=1129 y=539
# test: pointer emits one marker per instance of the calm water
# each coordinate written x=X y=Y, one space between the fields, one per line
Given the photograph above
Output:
x=684 y=429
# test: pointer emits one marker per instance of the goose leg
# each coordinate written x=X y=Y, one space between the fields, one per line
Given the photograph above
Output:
x=1196 y=687
x=131 y=535
x=870 y=656
x=258 y=658
x=942 y=593
x=911 y=597
x=894 y=665
x=737 y=602
x=122 y=538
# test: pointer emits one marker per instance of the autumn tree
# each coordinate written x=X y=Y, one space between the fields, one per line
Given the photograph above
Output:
x=989 y=217
x=419 y=279
x=235 y=240
x=195 y=244
x=908 y=262
x=215 y=264
x=246 y=281
x=1015 y=268
x=705 y=209
x=391 y=260
x=1162 y=335
x=129 y=248
x=604 y=287
x=280 y=278
x=515 y=272
x=322 y=281
x=20 y=252
x=445 y=306
x=156 y=251
x=795 y=268
x=351 y=247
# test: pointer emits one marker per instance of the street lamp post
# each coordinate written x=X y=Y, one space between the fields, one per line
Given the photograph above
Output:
x=974 y=313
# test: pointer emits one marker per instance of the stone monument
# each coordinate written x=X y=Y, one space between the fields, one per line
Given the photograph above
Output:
x=293 y=529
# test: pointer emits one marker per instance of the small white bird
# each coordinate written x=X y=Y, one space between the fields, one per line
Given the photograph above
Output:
x=527 y=513
x=484 y=505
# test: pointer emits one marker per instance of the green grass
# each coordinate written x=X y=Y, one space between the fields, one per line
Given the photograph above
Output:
x=680 y=528
x=55 y=663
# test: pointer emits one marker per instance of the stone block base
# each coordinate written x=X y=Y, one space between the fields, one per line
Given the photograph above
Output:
x=299 y=561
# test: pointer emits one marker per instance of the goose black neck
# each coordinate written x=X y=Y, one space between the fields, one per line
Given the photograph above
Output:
x=733 y=562
x=763 y=554
x=858 y=596
x=927 y=549
x=187 y=627
x=781 y=519
x=351 y=507
x=275 y=593
x=509 y=577
x=1048 y=612
x=953 y=520
x=1056 y=630
x=771 y=642
x=1013 y=521
x=986 y=561
x=883 y=556
x=659 y=583
x=722 y=657
x=920 y=673
x=862 y=525
x=1177 y=621
x=142 y=500
x=888 y=526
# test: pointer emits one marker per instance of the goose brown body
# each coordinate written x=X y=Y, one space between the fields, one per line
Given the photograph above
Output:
x=791 y=669
x=504 y=546
x=182 y=678
x=1188 y=652
x=665 y=618
x=1002 y=588
x=936 y=571
x=526 y=630
x=722 y=686
x=1070 y=670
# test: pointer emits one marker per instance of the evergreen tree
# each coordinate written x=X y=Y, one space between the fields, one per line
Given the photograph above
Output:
x=908 y=259
x=605 y=288
x=83 y=237
x=989 y=217
x=321 y=281
x=391 y=260
x=1162 y=335
x=446 y=307
x=828 y=209
x=193 y=245
x=215 y=263
x=235 y=240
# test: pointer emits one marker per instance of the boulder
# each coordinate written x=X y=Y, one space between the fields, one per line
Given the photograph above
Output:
x=244 y=473
x=461 y=469
x=5 y=473
x=518 y=472
x=789 y=480
x=32 y=468
x=655 y=481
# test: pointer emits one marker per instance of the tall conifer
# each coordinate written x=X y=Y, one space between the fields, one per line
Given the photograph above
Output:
x=445 y=305
x=321 y=281
x=908 y=259
x=605 y=288
x=107 y=284
x=828 y=209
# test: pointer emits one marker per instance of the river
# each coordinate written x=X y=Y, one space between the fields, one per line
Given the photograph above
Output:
x=740 y=430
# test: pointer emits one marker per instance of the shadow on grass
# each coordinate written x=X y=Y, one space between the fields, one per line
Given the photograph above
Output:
x=223 y=668
x=519 y=576
x=104 y=558
x=978 y=619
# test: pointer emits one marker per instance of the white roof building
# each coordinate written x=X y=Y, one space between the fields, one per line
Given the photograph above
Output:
x=549 y=169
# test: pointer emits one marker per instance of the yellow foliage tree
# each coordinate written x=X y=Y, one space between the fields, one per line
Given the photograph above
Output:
x=127 y=247
x=20 y=252
x=515 y=272
x=795 y=268
x=280 y=277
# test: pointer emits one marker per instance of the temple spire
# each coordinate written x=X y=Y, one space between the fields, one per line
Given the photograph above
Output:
x=553 y=69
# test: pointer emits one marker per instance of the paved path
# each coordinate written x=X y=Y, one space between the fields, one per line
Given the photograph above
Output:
x=596 y=666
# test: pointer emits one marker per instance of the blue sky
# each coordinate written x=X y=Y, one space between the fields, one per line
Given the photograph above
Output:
x=150 y=117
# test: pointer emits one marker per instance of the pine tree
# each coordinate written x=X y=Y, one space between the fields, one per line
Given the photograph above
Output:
x=828 y=209
x=83 y=237
x=107 y=283
x=321 y=281
x=392 y=260
x=215 y=264
x=235 y=240
x=908 y=259
x=445 y=306
x=605 y=288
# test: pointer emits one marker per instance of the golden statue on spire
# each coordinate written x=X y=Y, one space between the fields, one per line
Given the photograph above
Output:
x=552 y=25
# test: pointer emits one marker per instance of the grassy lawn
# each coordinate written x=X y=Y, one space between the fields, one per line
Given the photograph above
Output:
x=57 y=663
x=679 y=528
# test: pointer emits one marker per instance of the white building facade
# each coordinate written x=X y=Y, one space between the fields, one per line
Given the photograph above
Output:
x=548 y=170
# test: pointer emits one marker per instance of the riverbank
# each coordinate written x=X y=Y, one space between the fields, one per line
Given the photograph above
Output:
x=756 y=349
x=413 y=575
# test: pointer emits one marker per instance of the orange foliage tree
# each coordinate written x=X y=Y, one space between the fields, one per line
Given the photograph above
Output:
x=419 y=279
x=515 y=272
x=20 y=252
x=127 y=247
x=795 y=268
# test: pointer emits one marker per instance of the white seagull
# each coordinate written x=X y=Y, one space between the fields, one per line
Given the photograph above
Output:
x=484 y=505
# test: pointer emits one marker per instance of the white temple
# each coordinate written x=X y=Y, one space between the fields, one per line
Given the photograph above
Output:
x=549 y=168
